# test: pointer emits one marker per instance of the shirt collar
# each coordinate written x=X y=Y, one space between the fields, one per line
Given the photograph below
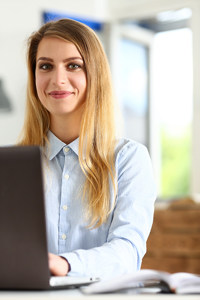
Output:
x=74 y=146
x=55 y=145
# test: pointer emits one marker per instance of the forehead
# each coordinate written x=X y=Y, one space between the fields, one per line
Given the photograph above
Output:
x=55 y=47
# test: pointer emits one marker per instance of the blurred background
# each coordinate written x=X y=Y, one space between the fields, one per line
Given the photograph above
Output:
x=153 y=47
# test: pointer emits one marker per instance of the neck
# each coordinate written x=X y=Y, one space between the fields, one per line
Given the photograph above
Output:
x=66 y=129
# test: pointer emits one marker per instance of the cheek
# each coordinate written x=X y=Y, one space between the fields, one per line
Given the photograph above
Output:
x=40 y=83
x=82 y=83
x=37 y=82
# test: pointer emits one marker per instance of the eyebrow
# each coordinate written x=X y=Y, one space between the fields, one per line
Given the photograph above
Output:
x=65 y=60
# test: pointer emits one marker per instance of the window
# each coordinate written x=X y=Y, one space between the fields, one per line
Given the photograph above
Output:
x=173 y=105
x=132 y=89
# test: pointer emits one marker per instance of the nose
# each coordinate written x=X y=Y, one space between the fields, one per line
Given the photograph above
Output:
x=60 y=76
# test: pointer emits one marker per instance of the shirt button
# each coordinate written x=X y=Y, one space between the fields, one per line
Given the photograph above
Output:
x=64 y=236
x=66 y=149
x=66 y=176
x=64 y=207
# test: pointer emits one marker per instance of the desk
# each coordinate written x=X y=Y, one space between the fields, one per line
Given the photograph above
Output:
x=77 y=295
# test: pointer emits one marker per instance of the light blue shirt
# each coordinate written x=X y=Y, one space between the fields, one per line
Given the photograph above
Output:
x=116 y=247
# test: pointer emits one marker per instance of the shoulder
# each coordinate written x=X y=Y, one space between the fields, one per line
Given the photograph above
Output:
x=127 y=147
x=134 y=168
x=132 y=157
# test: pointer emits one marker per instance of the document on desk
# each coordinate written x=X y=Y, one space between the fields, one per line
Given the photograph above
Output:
x=148 y=281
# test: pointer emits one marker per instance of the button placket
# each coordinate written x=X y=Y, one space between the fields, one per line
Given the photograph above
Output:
x=63 y=205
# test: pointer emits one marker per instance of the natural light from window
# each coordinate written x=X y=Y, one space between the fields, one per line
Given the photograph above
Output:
x=173 y=82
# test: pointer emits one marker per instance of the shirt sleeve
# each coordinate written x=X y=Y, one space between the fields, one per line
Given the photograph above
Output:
x=131 y=221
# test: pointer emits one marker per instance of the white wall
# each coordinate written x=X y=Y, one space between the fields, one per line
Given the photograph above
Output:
x=139 y=9
x=18 y=20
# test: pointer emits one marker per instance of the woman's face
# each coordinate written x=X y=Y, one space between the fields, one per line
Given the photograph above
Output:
x=60 y=78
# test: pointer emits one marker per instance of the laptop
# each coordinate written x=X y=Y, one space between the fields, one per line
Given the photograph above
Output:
x=23 y=240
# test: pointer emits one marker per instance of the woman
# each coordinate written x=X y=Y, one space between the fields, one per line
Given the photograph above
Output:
x=99 y=190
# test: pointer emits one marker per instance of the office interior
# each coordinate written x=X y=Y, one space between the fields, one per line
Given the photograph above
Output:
x=153 y=47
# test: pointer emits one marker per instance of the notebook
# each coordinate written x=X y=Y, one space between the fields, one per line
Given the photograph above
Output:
x=23 y=240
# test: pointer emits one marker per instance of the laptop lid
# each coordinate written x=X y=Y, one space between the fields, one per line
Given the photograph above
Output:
x=23 y=246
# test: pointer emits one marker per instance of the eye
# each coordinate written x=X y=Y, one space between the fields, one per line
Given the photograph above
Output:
x=45 y=66
x=73 y=66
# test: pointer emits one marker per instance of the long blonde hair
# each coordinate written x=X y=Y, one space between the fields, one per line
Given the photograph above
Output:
x=97 y=132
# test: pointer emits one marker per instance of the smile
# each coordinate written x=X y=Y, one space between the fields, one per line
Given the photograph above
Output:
x=60 y=94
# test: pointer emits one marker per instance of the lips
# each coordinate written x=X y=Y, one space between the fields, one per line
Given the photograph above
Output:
x=60 y=94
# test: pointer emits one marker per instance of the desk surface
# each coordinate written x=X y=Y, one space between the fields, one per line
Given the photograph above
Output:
x=77 y=295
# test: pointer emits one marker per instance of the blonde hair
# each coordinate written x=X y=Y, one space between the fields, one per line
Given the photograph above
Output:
x=97 y=132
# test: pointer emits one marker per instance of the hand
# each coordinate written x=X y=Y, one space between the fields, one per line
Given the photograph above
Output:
x=58 y=265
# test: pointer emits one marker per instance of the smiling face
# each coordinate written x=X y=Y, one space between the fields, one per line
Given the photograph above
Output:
x=60 y=78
